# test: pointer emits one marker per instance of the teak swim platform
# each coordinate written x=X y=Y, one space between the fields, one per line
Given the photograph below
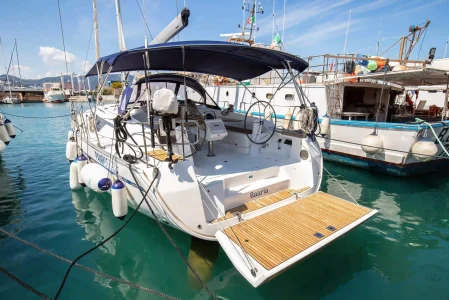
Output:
x=281 y=237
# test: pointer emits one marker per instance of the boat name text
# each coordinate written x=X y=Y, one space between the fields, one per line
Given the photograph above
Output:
x=258 y=193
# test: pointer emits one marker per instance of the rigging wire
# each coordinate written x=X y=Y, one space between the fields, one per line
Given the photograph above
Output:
x=145 y=21
x=87 y=53
x=63 y=40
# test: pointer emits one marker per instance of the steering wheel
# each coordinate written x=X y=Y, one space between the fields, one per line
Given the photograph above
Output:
x=262 y=112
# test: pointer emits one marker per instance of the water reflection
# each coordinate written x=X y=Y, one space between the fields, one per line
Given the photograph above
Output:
x=413 y=217
x=140 y=253
x=12 y=183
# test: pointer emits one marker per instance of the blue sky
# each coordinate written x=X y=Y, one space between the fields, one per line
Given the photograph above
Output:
x=311 y=27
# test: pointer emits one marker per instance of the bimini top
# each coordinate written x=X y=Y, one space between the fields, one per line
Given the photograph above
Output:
x=230 y=60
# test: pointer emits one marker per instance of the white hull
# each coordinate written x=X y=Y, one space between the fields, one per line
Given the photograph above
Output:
x=8 y=100
x=286 y=171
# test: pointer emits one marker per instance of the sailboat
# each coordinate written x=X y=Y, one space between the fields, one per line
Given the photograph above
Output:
x=170 y=152
x=9 y=99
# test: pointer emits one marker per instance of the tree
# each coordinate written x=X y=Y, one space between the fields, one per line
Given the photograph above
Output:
x=116 y=85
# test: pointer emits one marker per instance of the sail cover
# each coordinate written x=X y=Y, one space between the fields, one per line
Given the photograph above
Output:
x=230 y=60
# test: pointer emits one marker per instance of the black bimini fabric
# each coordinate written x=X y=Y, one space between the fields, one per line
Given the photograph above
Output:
x=230 y=60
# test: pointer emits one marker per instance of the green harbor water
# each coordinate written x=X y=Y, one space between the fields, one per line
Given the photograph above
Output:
x=401 y=253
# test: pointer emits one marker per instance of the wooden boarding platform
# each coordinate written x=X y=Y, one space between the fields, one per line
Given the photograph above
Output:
x=260 y=202
x=276 y=236
x=162 y=155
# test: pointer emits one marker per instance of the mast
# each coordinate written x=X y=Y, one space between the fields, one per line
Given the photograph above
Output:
x=18 y=64
x=97 y=41
x=347 y=31
x=121 y=38
x=7 y=76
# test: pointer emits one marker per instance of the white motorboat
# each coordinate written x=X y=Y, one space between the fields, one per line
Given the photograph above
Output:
x=54 y=95
x=215 y=174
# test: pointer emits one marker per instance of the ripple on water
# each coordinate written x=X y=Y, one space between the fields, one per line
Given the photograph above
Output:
x=400 y=253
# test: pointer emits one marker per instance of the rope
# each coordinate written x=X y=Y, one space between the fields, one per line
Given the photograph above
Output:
x=439 y=141
x=88 y=269
x=28 y=117
x=25 y=285
x=63 y=41
x=168 y=235
x=156 y=172
x=144 y=20
x=341 y=185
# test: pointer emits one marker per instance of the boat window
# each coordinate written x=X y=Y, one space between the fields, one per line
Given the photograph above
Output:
x=269 y=96
x=289 y=97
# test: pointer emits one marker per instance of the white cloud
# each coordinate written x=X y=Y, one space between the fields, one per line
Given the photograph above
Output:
x=39 y=76
x=51 y=56
x=49 y=74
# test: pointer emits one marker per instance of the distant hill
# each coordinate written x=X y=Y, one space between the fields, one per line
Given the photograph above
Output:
x=39 y=82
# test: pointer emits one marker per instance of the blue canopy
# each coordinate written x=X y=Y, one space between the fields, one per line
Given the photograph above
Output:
x=230 y=60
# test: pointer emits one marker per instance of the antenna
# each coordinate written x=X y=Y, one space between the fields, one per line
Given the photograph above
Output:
x=445 y=49
x=283 y=25
x=378 y=37
x=347 y=31
x=250 y=23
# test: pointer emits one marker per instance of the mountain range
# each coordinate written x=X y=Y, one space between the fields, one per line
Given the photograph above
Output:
x=39 y=82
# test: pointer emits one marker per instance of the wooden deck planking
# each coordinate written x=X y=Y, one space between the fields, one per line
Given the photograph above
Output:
x=162 y=155
x=276 y=236
x=260 y=203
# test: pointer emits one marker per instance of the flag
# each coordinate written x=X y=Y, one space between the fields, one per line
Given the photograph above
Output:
x=276 y=41
x=250 y=20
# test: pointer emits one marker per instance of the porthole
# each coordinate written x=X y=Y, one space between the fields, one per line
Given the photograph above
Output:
x=304 y=154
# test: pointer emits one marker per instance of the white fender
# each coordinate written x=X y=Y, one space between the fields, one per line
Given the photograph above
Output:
x=10 y=128
x=81 y=161
x=4 y=136
x=325 y=124
x=96 y=177
x=70 y=135
x=424 y=149
x=70 y=150
x=372 y=144
x=287 y=118
x=74 y=184
x=119 y=202
x=2 y=146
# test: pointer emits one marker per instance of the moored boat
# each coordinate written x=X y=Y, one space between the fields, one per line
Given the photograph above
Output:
x=215 y=174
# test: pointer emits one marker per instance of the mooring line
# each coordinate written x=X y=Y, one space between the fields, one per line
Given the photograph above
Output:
x=160 y=294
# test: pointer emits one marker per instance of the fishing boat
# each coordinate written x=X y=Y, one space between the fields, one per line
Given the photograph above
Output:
x=367 y=116
x=54 y=95
x=214 y=174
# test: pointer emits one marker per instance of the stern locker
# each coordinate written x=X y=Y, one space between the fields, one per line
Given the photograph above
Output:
x=281 y=237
